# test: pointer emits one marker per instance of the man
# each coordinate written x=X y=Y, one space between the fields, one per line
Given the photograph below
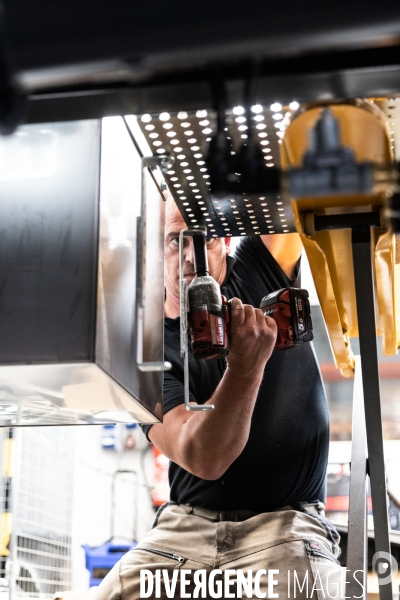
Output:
x=248 y=478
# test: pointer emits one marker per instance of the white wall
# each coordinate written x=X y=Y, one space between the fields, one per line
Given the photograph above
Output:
x=93 y=506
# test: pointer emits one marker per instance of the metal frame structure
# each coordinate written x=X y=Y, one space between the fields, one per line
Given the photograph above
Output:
x=39 y=487
x=357 y=541
x=370 y=420
x=361 y=242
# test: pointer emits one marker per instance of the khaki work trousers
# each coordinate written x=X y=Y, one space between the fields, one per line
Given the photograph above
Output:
x=293 y=544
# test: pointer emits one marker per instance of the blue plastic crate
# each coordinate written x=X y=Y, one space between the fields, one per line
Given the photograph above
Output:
x=101 y=559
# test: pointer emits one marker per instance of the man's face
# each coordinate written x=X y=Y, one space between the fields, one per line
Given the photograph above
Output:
x=217 y=249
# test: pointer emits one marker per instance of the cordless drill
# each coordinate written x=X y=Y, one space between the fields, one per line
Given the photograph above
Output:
x=290 y=308
x=208 y=309
x=208 y=316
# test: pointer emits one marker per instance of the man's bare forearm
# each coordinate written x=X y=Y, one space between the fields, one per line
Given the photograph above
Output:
x=210 y=442
x=207 y=443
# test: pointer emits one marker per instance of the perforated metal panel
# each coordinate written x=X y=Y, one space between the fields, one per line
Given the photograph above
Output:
x=186 y=136
x=391 y=106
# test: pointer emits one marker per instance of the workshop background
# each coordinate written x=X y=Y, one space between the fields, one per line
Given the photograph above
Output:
x=73 y=499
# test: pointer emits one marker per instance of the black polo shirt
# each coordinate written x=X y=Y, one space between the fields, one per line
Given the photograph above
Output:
x=284 y=460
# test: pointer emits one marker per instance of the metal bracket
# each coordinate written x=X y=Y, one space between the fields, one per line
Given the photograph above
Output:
x=164 y=162
x=357 y=536
x=363 y=278
x=184 y=323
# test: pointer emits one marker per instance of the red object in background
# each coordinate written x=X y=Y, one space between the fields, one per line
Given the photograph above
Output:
x=341 y=503
x=160 y=492
x=337 y=503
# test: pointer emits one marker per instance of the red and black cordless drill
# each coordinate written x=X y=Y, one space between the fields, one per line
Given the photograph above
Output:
x=208 y=309
x=208 y=316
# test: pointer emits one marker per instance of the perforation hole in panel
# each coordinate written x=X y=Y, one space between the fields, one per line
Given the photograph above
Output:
x=392 y=106
x=186 y=135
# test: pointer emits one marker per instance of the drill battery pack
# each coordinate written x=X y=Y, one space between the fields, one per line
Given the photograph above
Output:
x=290 y=308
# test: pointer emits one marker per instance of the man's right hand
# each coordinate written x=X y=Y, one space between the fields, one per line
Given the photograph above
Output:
x=252 y=337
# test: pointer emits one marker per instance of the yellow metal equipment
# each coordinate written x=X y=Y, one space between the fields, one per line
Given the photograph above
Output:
x=364 y=128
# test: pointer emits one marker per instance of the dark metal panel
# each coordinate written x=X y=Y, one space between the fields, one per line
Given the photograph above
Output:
x=157 y=55
x=152 y=33
x=191 y=93
x=48 y=242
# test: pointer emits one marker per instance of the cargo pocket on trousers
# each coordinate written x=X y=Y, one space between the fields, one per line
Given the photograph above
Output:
x=172 y=555
x=151 y=573
x=327 y=577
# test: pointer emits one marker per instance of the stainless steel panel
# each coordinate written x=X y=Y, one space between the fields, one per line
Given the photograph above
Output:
x=64 y=394
x=48 y=242
x=65 y=356
x=120 y=202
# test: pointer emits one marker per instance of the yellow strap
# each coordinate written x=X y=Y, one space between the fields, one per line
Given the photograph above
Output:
x=6 y=520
